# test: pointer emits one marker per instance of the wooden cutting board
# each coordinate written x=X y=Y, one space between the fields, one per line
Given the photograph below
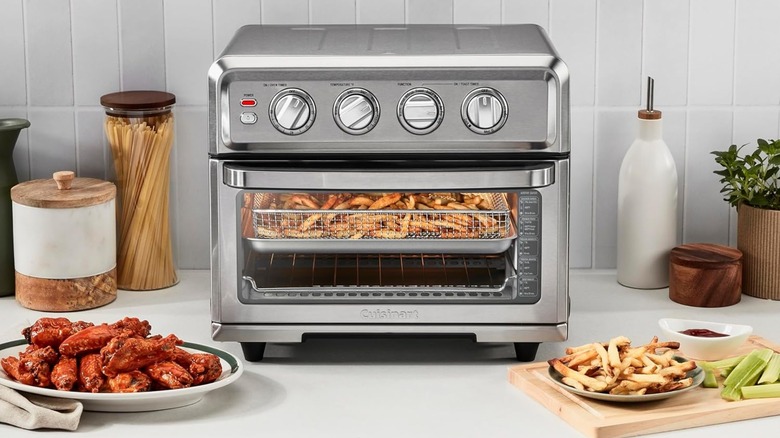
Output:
x=598 y=419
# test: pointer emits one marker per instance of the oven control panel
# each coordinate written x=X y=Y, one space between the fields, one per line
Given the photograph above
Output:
x=529 y=232
x=264 y=114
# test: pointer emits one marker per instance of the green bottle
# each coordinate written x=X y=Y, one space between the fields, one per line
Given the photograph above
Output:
x=9 y=132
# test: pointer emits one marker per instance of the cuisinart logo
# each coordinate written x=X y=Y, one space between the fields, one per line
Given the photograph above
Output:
x=389 y=314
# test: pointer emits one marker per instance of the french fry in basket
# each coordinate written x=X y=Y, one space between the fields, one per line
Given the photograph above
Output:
x=616 y=368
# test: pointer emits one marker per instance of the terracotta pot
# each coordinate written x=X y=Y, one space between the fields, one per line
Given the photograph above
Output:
x=758 y=237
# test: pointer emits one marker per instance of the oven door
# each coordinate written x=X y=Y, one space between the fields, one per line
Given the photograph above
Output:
x=277 y=258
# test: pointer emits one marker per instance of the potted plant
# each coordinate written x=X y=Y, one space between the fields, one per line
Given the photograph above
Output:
x=750 y=184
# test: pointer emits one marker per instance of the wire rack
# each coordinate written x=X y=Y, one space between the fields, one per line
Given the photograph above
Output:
x=383 y=224
x=382 y=230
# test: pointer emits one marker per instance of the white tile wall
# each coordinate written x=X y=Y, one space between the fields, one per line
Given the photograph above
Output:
x=715 y=63
x=756 y=57
x=13 y=91
x=527 y=11
x=228 y=20
x=332 y=12
x=95 y=54
x=711 y=52
x=49 y=53
x=573 y=29
x=706 y=216
x=618 y=52
x=188 y=49
x=380 y=11
x=479 y=12
x=141 y=44
x=665 y=50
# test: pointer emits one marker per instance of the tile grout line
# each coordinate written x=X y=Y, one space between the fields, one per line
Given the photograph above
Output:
x=74 y=120
x=27 y=105
x=596 y=116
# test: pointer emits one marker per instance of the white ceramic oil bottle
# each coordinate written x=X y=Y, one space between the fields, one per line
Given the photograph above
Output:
x=647 y=205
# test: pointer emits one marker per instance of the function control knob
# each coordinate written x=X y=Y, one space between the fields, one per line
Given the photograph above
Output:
x=484 y=111
x=356 y=111
x=420 y=110
x=292 y=111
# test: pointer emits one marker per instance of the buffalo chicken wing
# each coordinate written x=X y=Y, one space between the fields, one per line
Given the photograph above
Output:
x=204 y=367
x=124 y=353
x=91 y=375
x=65 y=373
x=133 y=381
x=169 y=374
x=32 y=367
x=52 y=331
x=95 y=337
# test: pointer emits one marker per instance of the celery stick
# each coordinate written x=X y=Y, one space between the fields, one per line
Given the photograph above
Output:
x=756 y=359
x=730 y=362
x=709 y=378
x=746 y=373
x=762 y=391
x=772 y=371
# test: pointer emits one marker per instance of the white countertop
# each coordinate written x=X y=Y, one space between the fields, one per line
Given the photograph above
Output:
x=388 y=387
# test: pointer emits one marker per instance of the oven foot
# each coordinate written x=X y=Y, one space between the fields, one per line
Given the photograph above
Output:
x=526 y=351
x=253 y=351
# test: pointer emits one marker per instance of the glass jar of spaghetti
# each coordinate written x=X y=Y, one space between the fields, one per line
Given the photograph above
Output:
x=139 y=127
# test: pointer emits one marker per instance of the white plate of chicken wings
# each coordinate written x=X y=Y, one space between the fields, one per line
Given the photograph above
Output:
x=154 y=397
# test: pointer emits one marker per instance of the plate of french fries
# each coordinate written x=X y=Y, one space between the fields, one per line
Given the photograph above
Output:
x=619 y=372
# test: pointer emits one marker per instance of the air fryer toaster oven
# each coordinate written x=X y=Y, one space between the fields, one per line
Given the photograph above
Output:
x=389 y=180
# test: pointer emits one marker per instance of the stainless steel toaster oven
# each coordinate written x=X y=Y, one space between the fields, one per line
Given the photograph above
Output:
x=389 y=180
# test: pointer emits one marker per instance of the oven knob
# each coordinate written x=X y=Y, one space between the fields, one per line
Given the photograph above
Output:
x=484 y=111
x=356 y=111
x=420 y=110
x=292 y=111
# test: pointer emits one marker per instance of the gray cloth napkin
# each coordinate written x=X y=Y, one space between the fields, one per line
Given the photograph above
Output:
x=33 y=411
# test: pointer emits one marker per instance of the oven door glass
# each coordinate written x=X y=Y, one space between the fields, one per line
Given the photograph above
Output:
x=402 y=244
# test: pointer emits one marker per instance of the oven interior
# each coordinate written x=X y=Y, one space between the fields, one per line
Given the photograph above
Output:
x=395 y=247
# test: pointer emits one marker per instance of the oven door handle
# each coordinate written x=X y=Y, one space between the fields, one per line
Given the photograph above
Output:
x=251 y=177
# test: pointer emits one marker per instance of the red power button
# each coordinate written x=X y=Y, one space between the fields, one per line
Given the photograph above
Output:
x=248 y=102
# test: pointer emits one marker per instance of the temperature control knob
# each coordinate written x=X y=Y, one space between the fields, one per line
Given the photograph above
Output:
x=356 y=111
x=420 y=110
x=484 y=111
x=292 y=111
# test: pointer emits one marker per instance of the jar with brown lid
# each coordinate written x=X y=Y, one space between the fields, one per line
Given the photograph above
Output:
x=139 y=126
x=705 y=275
x=64 y=242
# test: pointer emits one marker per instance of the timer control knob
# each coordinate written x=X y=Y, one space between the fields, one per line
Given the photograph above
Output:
x=292 y=111
x=356 y=111
x=484 y=111
x=420 y=111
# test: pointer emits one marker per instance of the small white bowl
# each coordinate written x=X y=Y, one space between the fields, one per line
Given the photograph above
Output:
x=696 y=347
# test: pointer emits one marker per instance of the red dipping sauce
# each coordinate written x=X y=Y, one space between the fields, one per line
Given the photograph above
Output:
x=703 y=333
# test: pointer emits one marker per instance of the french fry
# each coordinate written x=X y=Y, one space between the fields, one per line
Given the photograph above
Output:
x=589 y=382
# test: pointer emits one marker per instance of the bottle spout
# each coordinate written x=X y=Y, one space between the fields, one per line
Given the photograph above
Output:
x=649 y=113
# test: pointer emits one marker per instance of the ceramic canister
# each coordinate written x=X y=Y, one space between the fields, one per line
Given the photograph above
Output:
x=64 y=233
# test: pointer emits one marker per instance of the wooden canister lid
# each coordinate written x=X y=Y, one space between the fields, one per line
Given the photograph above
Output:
x=64 y=190
x=138 y=100
x=704 y=255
